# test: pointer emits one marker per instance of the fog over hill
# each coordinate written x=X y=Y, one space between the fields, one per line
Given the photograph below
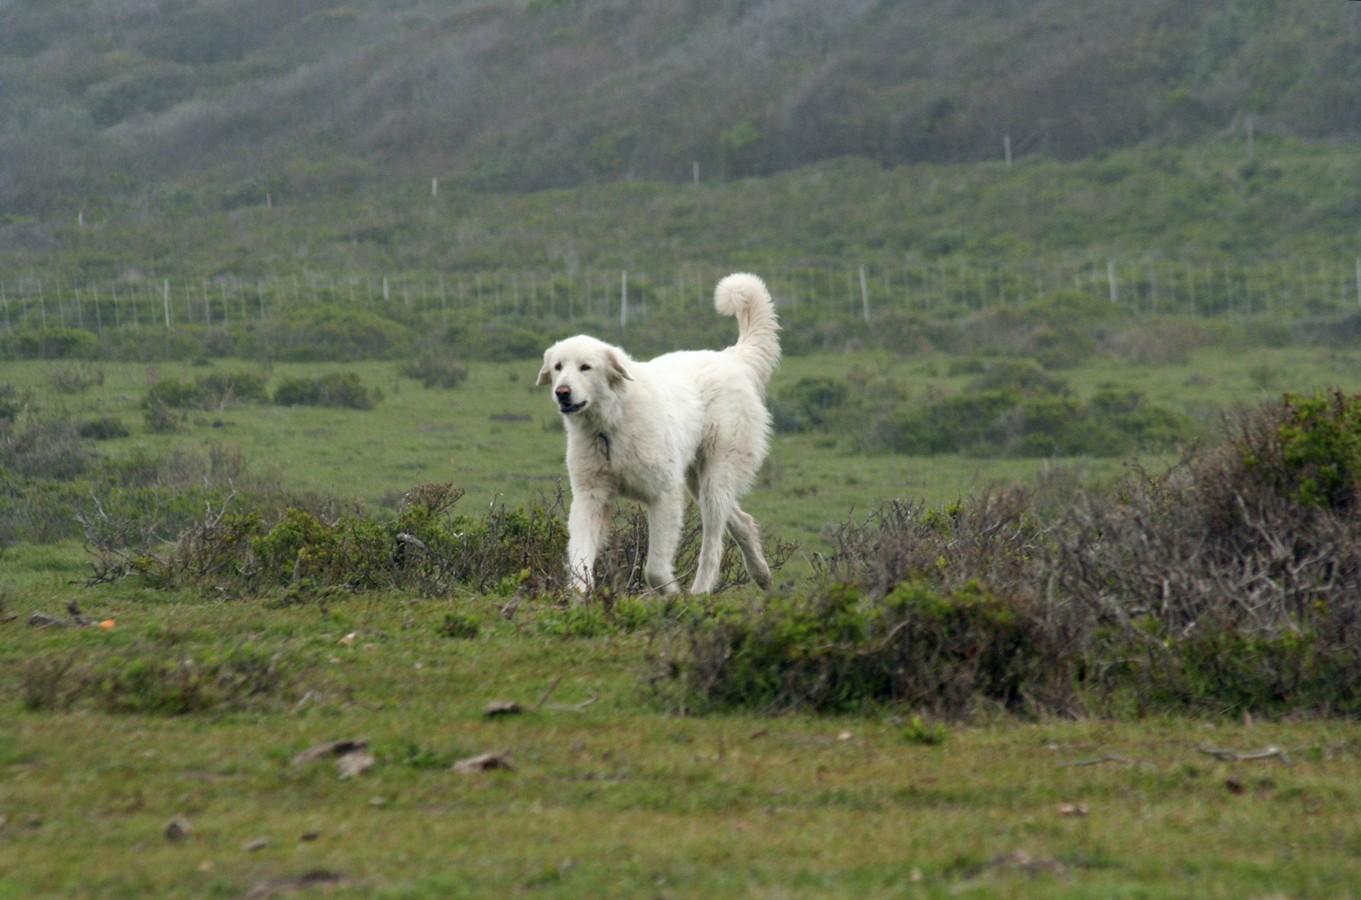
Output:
x=136 y=97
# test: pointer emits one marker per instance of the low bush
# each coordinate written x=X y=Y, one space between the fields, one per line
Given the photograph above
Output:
x=51 y=449
x=75 y=379
x=434 y=370
x=317 y=333
x=1230 y=582
x=1019 y=410
x=104 y=428
x=14 y=402
x=837 y=651
x=51 y=342
x=342 y=389
x=247 y=543
x=214 y=391
x=808 y=403
x=151 y=678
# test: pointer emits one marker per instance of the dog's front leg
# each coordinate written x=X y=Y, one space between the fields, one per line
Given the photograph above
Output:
x=665 y=516
x=588 y=525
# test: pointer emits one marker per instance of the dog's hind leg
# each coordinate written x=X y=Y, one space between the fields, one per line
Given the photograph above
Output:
x=665 y=515
x=717 y=500
x=747 y=534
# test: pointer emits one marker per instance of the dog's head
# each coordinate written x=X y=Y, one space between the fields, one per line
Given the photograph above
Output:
x=583 y=372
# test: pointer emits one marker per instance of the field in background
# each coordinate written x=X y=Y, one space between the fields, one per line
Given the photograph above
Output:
x=499 y=438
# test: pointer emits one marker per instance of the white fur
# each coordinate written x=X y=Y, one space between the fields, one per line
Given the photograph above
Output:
x=647 y=431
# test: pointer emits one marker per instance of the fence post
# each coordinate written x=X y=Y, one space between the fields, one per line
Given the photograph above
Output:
x=1110 y=281
x=165 y=298
x=623 y=299
x=864 y=296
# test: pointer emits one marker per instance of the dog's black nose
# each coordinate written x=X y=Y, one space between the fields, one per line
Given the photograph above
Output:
x=564 y=393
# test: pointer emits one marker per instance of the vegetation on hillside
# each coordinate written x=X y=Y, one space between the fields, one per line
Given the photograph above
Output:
x=320 y=97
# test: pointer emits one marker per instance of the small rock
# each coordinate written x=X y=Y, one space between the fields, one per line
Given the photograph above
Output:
x=255 y=844
x=1072 y=809
x=330 y=748
x=308 y=837
x=178 y=828
x=486 y=762
x=352 y=765
x=498 y=708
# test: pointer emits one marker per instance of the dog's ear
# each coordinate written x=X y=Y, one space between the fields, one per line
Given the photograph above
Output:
x=544 y=375
x=614 y=365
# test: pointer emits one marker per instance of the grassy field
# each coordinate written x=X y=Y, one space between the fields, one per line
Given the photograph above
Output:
x=616 y=798
x=498 y=437
x=609 y=793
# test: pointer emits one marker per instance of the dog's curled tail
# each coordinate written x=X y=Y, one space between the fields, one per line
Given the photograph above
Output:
x=758 y=330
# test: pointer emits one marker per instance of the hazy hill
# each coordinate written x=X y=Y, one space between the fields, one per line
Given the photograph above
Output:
x=314 y=97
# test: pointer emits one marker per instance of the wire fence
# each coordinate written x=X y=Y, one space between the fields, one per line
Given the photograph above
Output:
x=937 y=288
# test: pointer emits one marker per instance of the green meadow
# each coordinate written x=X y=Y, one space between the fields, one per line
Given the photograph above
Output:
x=196 y=703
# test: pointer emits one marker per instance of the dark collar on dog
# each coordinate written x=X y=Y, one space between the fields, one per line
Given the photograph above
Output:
x=603 y=440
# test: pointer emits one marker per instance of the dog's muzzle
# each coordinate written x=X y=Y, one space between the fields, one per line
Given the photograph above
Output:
x=565 y=404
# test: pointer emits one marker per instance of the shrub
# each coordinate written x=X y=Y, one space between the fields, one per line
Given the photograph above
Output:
x=351 y=552
x=459 y=626
x=317 y=333
x=161 y=419
x=39 y=511
x=1035 y=415
x=14 y=402
x=214 y=391
x=45 y=449
x=75 y=379
x=1317 y=458
x=171 y=393
x=1230 y=582
x=341 y=389
x=103 y=429
x=435 y=371
x=147 y=679
x=806 y=405
x=836 y=652
x=226 y=388
x=52 y=342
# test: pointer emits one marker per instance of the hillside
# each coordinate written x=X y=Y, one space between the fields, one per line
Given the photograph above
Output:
x=144 y=99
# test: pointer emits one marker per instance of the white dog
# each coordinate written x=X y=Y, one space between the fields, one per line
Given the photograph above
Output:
x=649 y=430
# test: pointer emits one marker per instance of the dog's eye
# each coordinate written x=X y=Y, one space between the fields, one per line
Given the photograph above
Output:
x=585 y=367
x=558 y=367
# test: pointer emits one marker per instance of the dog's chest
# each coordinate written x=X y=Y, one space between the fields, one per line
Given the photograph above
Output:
x=614 y=460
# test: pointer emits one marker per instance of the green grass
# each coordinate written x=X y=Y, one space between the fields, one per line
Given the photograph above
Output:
x=613 y=797
x=617 y=797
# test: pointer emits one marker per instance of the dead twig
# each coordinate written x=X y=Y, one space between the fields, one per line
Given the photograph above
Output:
x=1235 y=756
x=548 y=693
x=575 y=707
x=1101 y=760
